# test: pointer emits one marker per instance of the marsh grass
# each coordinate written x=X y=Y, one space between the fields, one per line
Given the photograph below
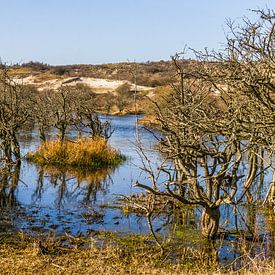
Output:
x=134 y=254
x=83 y=153
x=107 y=253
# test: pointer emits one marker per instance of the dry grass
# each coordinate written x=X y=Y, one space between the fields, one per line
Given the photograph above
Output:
x=84 y=153
x=75 y=261
x=30 y=256
x=82 y=175
x=20 y=254
x=21 y=71
x=256 y=266
x=46 y=76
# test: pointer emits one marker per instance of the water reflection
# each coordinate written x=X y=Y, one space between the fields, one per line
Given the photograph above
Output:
x=11 y=210
x=75 y=202
x=270 y=232
x=9 y=179
x=83 y=184
x=75 y=198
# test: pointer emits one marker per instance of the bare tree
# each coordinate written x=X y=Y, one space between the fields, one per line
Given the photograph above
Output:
x=15 y=109
x=218 y=121
x=246 y=70
x=63 y=109
x=43 y=112
x=86 y=111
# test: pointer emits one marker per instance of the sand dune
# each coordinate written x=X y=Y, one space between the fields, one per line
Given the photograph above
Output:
x=97 y=84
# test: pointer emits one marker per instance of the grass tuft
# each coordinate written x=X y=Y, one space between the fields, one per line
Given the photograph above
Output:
x=83 y=153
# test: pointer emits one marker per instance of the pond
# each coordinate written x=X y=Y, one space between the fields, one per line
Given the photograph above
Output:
x=61 y=201
x=64 y=201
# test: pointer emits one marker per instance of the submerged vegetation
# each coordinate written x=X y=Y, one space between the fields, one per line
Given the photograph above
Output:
x=83 y=153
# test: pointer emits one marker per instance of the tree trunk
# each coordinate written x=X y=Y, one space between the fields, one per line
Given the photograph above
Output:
x=16 y=148
x=6 y=147
x=272 y=193
x=42 y=135
x=7 y=150
x=210 y=222
x=270 y=198
x=62 y=131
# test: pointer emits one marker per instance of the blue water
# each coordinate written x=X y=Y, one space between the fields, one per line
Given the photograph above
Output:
x=62 y=202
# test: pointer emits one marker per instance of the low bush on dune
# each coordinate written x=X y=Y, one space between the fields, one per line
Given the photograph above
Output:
x=82 y=153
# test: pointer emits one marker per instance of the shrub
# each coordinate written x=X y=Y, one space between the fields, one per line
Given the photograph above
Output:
x=82 y=153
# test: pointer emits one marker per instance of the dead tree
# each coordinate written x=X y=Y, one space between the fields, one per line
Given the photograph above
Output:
x=62 y=109
x=217 y=122
x=44 y=115
x=246 y=70
x=87 y=118
x=15 y=109
x=209 y=154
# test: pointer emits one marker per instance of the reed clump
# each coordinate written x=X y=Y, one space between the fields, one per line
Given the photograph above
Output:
x=83 y=153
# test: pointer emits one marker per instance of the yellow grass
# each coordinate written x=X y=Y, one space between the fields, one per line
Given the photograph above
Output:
x=82 y=175
x=20 y=71
x=20 y=254
x=75 y=261
x=45 y=76
x=82 y=153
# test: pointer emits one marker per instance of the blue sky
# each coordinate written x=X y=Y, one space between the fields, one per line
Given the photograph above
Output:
x=106 y=31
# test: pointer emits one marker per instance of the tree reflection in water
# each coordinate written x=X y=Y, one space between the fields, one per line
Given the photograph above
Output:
x=9 y=205
x=9 y=178
x=82 y=184
x=270 y=232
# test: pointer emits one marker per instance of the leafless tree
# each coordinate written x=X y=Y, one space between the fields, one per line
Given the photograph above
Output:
x=87 y=114
x=16 y=107
x=218 y=122
x=246 y=70
x=43 y=112
x=63 y=110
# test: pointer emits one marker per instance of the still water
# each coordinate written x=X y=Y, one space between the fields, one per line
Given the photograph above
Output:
x=66 y=202
x=58 y=201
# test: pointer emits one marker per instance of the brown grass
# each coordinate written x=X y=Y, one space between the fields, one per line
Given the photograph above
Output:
x=20 y=254
x=45 y=76
x=84 y=153
x=133 y=254
x=75 y=261
x=21 y=71
x=25 y=255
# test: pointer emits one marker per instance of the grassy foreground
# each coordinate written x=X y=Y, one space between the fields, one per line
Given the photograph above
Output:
x=83 y=153
x=20 y=254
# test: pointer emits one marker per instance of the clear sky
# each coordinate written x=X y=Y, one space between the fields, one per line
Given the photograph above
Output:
x=105 y=31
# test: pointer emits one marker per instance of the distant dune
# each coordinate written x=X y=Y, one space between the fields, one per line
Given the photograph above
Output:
x=98 y=85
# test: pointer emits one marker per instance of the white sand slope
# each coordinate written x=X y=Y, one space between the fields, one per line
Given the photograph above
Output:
x=97 y=84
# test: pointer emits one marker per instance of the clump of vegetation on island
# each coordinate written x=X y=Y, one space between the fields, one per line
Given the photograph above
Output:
x=83 y=153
